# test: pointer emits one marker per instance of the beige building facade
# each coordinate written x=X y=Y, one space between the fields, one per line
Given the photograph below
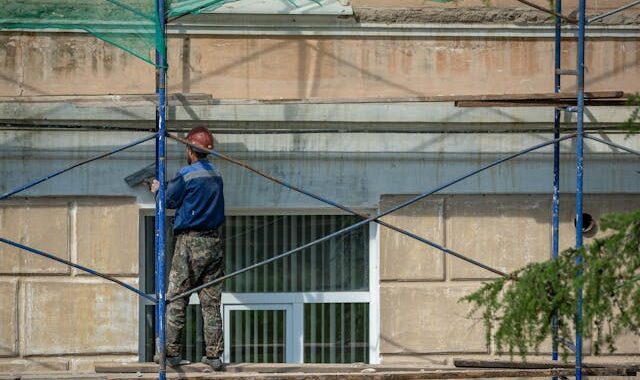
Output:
x=367 y=156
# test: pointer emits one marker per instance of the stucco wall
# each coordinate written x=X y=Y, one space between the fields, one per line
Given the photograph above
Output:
x=58 y=318
x=421 y=318
x=292 y=67
x=54 y=317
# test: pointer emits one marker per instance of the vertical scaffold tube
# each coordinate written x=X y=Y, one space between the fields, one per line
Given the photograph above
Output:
x=579 y=178
x=556 y=169
x=161 y=153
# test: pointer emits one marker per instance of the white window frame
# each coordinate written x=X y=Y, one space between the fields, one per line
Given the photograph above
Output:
x=295 y=301
x=289 y=352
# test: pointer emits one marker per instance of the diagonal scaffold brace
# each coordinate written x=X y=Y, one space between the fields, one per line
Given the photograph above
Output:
x=59 y=259
x=77 y=266
x=340 y=206
x=73 y=166
x=373 y=217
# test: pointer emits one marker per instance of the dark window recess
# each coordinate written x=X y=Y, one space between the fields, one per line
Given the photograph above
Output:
x=339 y=264
x=336 y=333
x=340 y=334
x=257 y=336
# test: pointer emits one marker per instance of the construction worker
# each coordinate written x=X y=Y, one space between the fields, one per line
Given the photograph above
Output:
x=196 y=195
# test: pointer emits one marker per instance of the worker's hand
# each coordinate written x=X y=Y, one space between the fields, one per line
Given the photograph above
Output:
x=155 y=185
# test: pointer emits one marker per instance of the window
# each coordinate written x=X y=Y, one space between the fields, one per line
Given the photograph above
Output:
x=313 y=306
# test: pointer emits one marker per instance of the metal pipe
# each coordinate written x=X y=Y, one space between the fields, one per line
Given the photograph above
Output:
x=161 y=158
x=580 y=179
x=555 y=204
x=549 y=11
x=196 y=9
x=340 y=206
x=58 y=172
x=611 y=143
x=612 y=12
x=374 y=217
x=77 y=266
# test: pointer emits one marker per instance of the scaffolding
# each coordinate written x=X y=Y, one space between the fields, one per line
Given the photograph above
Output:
x=563 y=103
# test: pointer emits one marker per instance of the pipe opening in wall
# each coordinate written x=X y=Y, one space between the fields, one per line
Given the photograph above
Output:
x=588 y=223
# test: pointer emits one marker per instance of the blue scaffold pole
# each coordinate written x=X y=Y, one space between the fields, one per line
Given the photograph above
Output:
x=579 y=178
x=161 y=155
x=555 y=220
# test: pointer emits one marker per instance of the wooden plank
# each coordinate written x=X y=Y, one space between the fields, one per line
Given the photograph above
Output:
x=280 y=371
x=450 y=374
x=427 y=99
x=63 y=376
x=126 y=98
x=187 y=99
x=478 y=363
x=473 y=363
x=111 y=367
x=541 y=103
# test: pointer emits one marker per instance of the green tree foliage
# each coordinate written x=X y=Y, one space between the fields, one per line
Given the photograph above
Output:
x=632 y=124
x=518 y=310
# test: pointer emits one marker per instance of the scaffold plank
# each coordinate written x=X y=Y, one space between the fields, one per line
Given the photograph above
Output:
x=320 y=371
x=205 y=99
x=478 y=363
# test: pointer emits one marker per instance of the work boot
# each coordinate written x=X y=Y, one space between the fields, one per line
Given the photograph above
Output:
x=172 y=361
x=214 y=363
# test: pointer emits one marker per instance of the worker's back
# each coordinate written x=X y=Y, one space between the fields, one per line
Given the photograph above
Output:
x=197 y=195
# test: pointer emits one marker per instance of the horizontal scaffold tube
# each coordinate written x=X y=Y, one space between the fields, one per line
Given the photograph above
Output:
x=340 y=206
x=80 y=163
x=612 y=12
x=373 y=218
x=611 y=143
x=77 y=266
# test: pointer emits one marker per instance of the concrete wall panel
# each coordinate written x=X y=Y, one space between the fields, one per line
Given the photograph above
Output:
x=8 y=317
x=67 y=317
x=25 y=365
x=403 y=258
x=627 y=344
x=427 y=318
x=87 y=363
x=42 y=226
x=597 y=206
x=272 y=67
x=505 y=232
x=290 y=67
x=107 y=235
x=69 y=63
x=567 y=4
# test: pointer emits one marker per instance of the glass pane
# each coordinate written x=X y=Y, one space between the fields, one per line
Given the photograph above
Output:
x=149 y=285
x=257 y=336
x=149 y=326
x=336 y=333
x=339 y=264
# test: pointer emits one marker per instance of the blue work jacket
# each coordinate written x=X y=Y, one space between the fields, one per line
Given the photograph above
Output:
x=196 y=194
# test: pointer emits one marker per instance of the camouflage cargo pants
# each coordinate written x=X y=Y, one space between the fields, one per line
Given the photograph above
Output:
x=198 y=258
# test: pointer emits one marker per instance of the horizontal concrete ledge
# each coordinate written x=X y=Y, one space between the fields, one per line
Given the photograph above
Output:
x=45 y=144
x=310 y=26
x=379 y=30
x=426 y=113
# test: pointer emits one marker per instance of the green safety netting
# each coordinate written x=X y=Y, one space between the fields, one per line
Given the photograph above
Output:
x=132 y=25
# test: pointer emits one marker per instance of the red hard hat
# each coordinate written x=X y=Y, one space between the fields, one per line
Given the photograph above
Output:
x=201 y=137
